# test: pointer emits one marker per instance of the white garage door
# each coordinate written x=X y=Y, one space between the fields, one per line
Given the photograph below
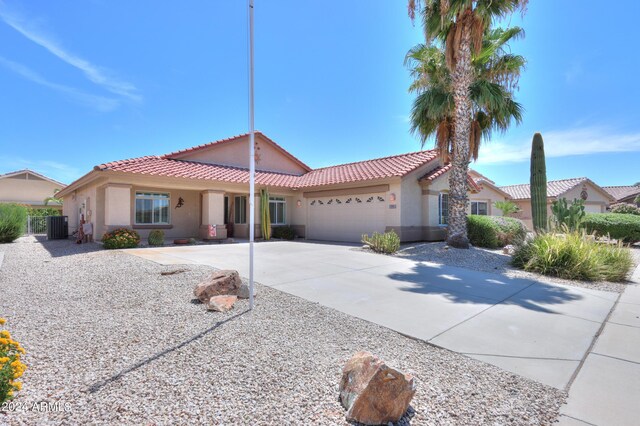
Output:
x=346 y=218
x=593 y=208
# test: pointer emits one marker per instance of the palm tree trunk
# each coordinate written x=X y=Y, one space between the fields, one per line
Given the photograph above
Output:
x=458 y=200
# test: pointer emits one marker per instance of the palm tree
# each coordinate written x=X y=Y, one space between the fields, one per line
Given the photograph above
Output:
x=496 y=73
x=53 y=199
x=460 y=25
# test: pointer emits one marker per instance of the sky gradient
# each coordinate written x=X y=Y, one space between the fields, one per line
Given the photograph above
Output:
x=83 y=83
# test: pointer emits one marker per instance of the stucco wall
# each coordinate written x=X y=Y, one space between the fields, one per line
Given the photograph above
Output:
x=30 y=191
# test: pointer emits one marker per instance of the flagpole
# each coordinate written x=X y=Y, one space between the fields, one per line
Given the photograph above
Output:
x=252 y=159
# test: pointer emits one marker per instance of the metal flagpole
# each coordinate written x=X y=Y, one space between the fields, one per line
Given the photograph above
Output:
x=252 y=159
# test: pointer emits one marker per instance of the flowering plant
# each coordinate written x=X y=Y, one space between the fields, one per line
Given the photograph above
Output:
x=11 y=368
x=121 y=238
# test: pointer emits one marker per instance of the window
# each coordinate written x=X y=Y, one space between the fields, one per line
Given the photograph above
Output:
x=277 y=210
x=152 y=208
x=444 y=209
x=240 y=209
x=479 y=207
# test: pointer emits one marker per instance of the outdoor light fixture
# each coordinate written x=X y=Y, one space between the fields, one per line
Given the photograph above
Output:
x=299 y=203
x=392 y=197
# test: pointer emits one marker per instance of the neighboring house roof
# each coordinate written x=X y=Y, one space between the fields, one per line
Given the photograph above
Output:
x=442 y=170
x=19 y=172
x=621 y=192
x=394 y=166
x=555 y=188
x=178 y=154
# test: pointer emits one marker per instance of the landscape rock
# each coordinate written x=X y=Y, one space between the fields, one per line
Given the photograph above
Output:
x=458 y=240
x=219 y=282
x=374 y=393
x=221 y=303
x=509 y=249
x=243 y=291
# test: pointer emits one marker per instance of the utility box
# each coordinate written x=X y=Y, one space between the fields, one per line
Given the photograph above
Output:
x=57 y=227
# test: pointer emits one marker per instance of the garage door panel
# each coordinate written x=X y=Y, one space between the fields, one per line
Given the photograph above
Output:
x=346 y=218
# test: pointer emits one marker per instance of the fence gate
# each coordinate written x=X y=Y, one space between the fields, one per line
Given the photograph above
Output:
x=36 y=225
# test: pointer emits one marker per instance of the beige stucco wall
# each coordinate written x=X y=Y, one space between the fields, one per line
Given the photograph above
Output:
x=31 y=191
x=490 y=196
x=236 y=153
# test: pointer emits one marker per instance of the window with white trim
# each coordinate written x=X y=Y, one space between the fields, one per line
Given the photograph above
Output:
x=152 y=208
x=479 y=207
x=277 y=210
x=240 y=209
x=443 y=209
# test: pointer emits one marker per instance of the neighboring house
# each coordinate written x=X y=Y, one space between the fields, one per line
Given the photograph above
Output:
x=596 y=199
x=186 y=191
x=29 y=188
x=624 y=194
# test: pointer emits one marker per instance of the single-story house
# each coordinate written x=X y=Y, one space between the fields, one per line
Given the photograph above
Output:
x=202 y=192
x=624 y=194
x=596 y=199
x=29 y=188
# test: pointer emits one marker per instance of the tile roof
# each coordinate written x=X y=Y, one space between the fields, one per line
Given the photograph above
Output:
x=394 y=166
x=439 y=171
x=18 y=172
x=620 y=192
x=554 y=188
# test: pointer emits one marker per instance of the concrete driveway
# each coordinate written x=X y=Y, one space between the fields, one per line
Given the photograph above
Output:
x=537 y=330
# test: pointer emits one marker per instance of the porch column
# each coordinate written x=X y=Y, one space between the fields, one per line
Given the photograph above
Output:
x=213 y=214
x=117 y=206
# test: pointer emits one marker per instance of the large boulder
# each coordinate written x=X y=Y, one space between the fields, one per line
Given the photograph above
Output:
x=221 y=303
x=225 y=282
x=374 y=393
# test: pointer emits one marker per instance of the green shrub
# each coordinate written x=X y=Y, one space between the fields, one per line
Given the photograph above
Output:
x=47 y=211
x=13 y=218
x=624 y=227
x=121 y=238
x=156 y=237
x=494 y=231
x=575 y=256
x=283 y=232
x=388 y=243
x=625 y=208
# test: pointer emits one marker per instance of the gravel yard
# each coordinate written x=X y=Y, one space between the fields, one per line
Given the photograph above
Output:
x=121 y=344
x=487 y=260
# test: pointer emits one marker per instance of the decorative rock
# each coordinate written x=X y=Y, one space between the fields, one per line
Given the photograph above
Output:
x=243 y=291
x=374 y=393
x=221 y=303
x=509 y=249
x=220 y=282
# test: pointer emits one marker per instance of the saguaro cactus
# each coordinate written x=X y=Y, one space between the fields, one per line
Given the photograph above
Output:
x=538 y=184
x=265 y=217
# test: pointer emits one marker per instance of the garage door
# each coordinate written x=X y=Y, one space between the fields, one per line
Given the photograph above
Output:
x=345 y=218
x=593 y=208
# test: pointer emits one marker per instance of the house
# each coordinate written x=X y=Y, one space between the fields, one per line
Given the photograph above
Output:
x=202 y=191
x=596 y=199
x=29 y=188
x=624 y=194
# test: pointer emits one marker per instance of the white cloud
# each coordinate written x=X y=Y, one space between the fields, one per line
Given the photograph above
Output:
x=98 y=102
x=562 y=143
x=94 y=73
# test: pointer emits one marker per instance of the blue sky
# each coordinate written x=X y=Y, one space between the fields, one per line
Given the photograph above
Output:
x=82 y=83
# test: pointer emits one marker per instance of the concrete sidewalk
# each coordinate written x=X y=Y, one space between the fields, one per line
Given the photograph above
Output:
x=606 y=390
x=538 y=330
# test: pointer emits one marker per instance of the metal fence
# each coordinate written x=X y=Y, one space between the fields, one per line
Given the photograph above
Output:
x=36 y=225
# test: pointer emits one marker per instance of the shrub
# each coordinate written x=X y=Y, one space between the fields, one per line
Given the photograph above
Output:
x=193 y=241
x=11 y=368
x=494 y=231
x=121 y=238
x=625 y=208
x=13 y=218
x=567 y=215
x=388 y=243
x=574 y=256
x=156 y=237
x=47 y=211
x=507 y=207
x=624 y=227
x=283 y=232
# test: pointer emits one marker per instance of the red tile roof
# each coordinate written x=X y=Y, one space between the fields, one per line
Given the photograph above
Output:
x=554 y=188
x=441 y=170
x=620 y=192
x=394 y=166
